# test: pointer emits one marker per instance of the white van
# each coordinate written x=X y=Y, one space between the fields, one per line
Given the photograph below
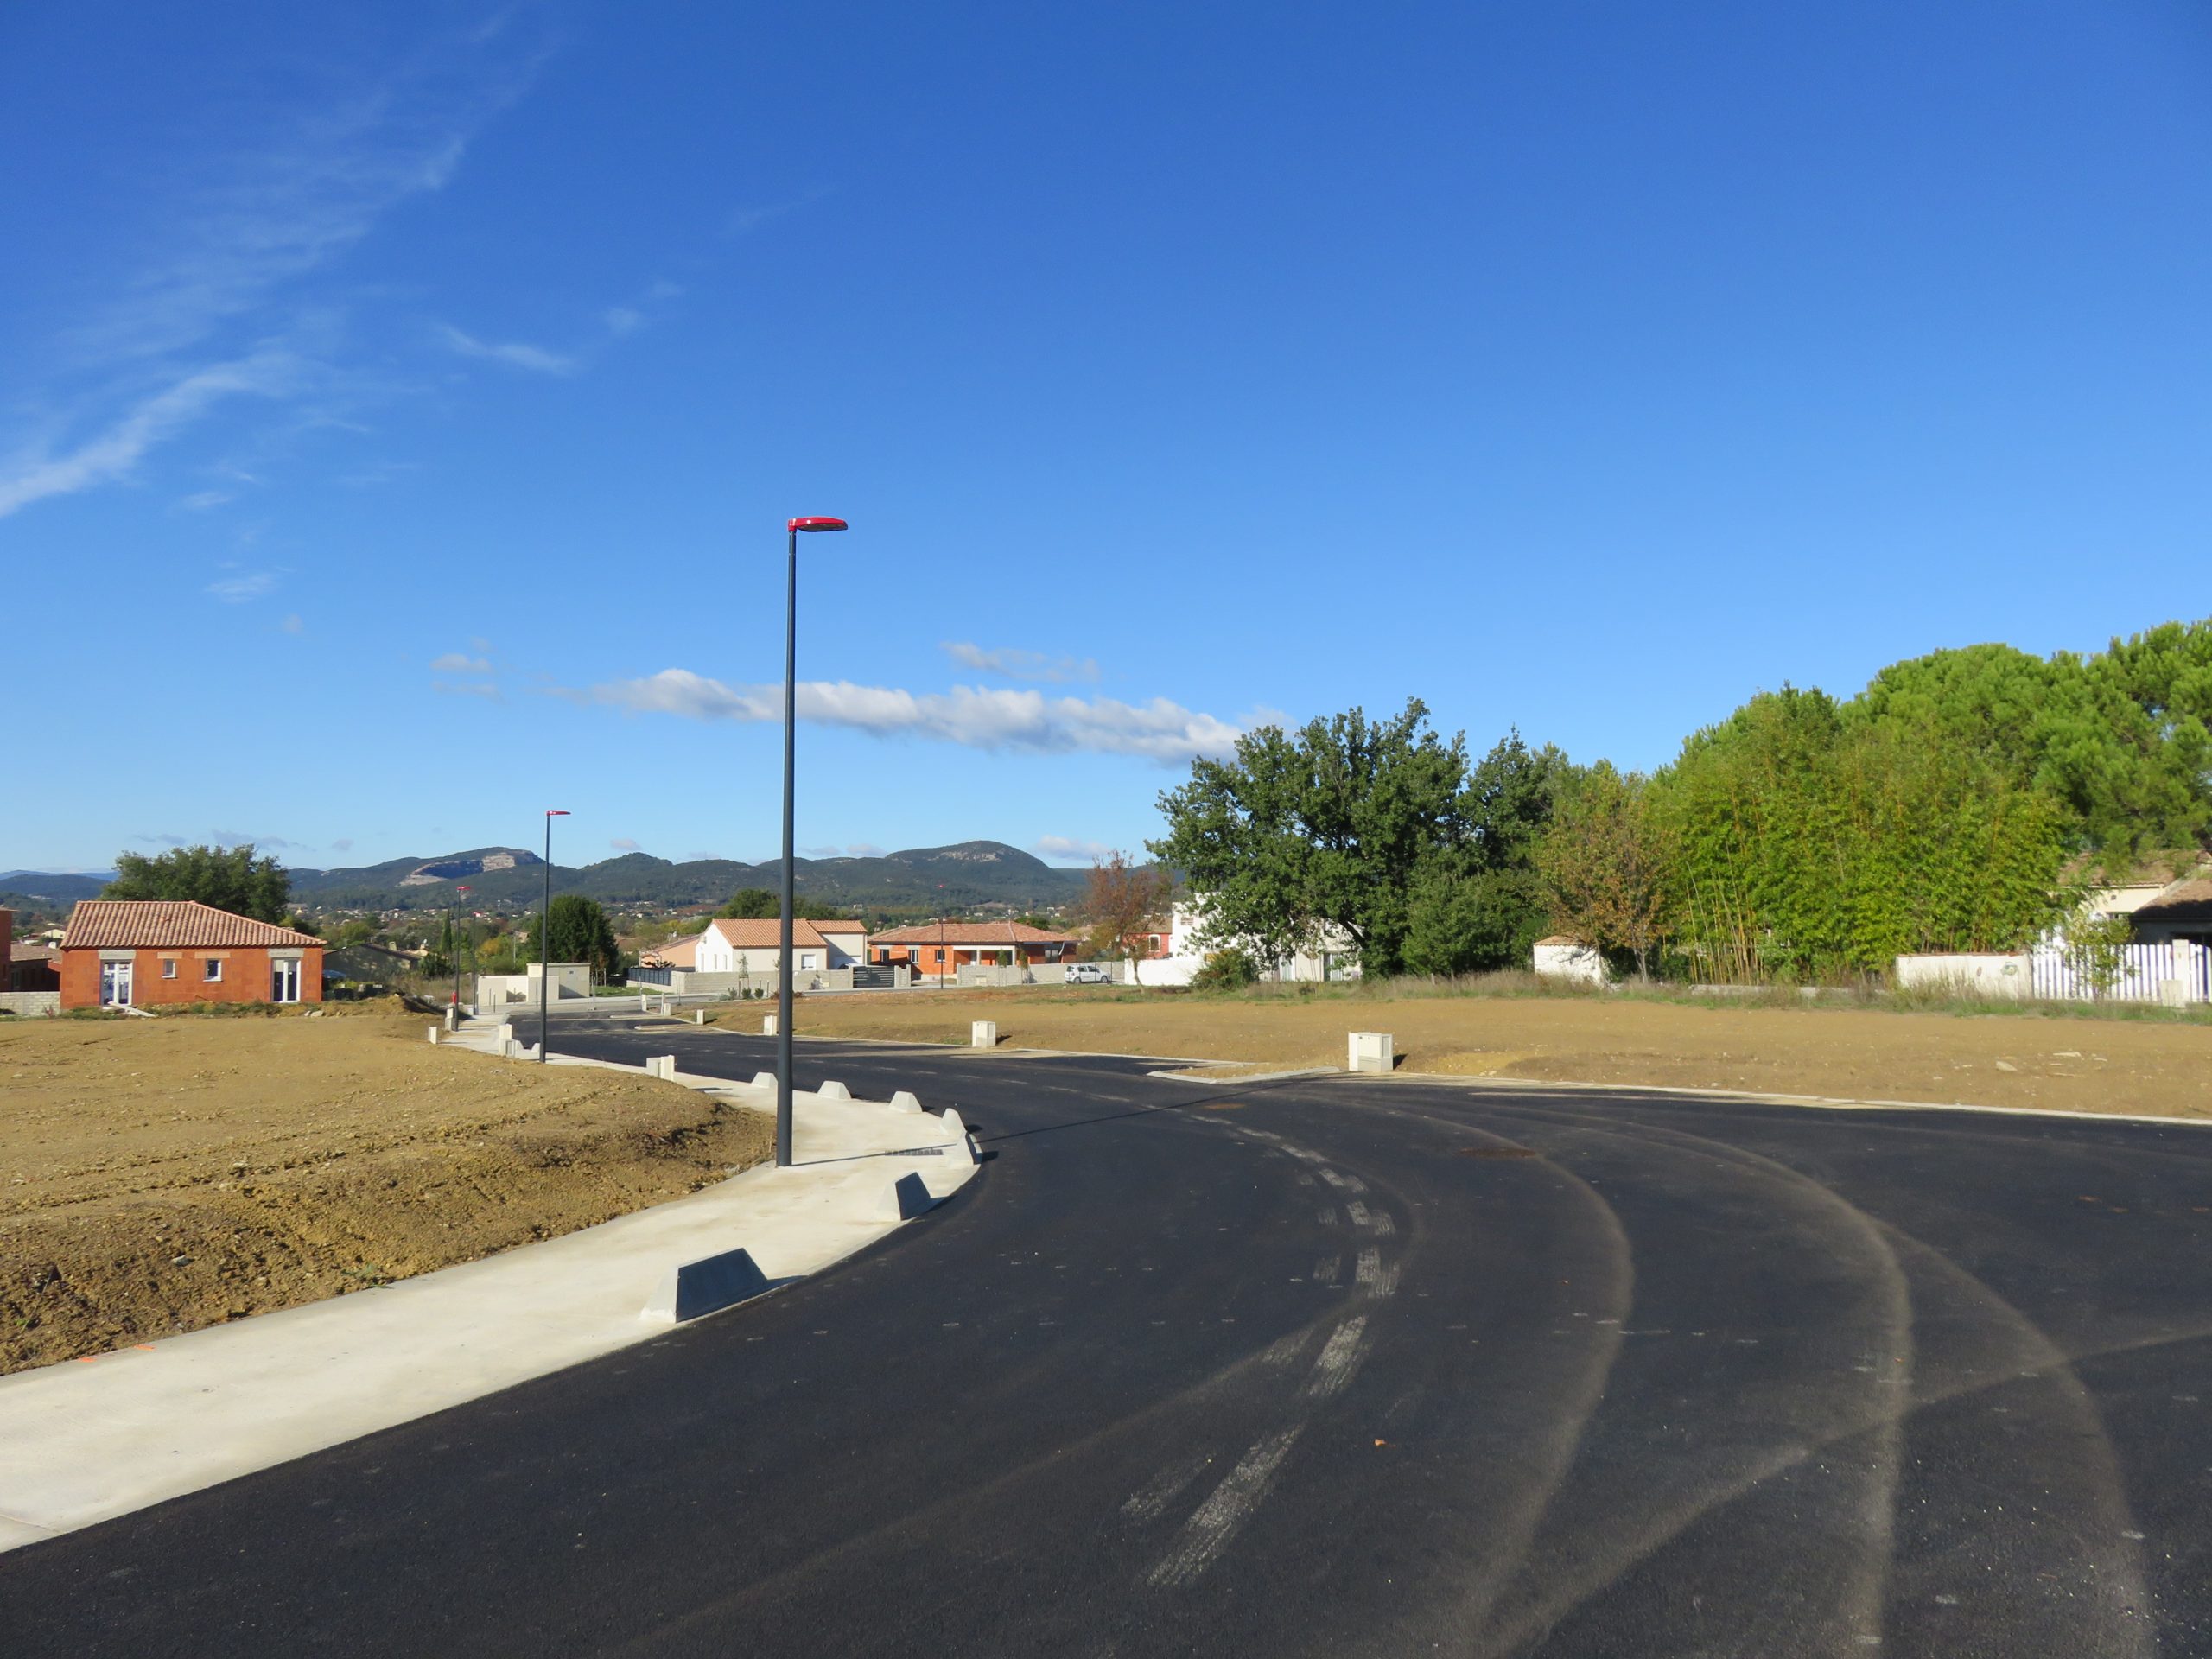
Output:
x=1089 y=972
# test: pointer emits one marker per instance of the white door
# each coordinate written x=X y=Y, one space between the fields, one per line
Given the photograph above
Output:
x=115 y=984
x=284 y=980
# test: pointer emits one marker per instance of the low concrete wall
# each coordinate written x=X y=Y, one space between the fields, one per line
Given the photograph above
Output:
x=685 y=981
x=33 y=1003
x=1969 y=975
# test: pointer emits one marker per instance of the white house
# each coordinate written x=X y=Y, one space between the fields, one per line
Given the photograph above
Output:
x=1188 y=942
x=1562 y=957
x=756 y=947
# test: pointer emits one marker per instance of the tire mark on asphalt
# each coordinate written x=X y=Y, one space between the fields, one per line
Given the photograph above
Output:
x=1215 y=1521
x=1581 y=1565
x=1340 y=1358
x=1150 y=1501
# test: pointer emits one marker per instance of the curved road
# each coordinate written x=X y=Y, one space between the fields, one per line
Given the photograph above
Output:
x=1308 y=1367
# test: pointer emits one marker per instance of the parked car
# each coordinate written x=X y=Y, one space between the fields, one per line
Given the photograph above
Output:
x=1089 y=972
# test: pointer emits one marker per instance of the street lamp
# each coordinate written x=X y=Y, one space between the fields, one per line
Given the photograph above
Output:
x=790 y=728
x=453 y=944
x=545 y=932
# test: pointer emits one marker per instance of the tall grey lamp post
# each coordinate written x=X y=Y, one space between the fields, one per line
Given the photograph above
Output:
x=545 y=932
x=790 y=728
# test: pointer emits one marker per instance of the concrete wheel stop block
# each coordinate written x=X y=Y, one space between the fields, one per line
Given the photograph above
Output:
x=834 y=1091
x=707 y=1286
x=764 y=1079
x=904 y=1199
x=904 y=1101
x=953 y=1122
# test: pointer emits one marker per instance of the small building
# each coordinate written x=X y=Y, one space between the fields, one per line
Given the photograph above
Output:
x=756 y=946
x=121 y=953
x=672 y=953
x=1179 y=949
x=936 y=950
x=1561 y=957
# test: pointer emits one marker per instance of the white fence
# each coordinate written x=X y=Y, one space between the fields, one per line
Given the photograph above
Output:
x=2176 y=971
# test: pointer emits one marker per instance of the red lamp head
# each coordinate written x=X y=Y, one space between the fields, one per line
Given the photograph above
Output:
x=815 y=523
x=555 y=812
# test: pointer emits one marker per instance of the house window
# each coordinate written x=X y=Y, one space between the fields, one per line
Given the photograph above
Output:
x=169 y=967
x=940 y=953
x=212 y=970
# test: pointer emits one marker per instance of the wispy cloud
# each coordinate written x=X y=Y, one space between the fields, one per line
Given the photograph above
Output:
x=1015 y=664
x=977 y=717
x=247 y=584
x=309 y=184
x=201 y=500
x=515 y=353
x=1068 y=849
x=485 y=690
x=864 y=850
x=343 y=844
x=454 y=662
x=293 y=624
x=34 y=473
x=623 y=845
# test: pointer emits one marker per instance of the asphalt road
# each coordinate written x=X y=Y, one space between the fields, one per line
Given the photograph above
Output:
x=1322 y=1367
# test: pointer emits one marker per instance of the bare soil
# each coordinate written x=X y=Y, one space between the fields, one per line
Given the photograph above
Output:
x=2026 y=1060
x=159 y=1175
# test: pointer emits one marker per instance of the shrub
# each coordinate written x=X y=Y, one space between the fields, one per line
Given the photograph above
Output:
x=1226 y=970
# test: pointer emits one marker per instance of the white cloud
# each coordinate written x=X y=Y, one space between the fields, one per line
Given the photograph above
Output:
x=313 y=184
x=454 y=662
x=345 y=844
x=251 y=584
x=1015 y=664
x=515 y=353
x=293 y=624
x=1068 y=849
x=204 y=499
x=978 y=717
x=623 y=845
x=864 y=850
x=33 y=475
x=624 y=320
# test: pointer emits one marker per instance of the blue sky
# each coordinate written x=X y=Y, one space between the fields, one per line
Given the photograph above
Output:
x=400 y=404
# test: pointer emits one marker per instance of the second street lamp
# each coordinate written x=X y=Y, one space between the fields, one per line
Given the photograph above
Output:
x=784 y=933
x=546 y=931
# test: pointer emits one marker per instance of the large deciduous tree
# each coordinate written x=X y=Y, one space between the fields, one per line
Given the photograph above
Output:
x=1606 y=861
x=1123 y=904
x=229 y=878
x=1346 y=823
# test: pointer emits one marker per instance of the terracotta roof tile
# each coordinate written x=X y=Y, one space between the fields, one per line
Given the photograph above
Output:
x=764 y=933
x=168 y=924
x=972 y=933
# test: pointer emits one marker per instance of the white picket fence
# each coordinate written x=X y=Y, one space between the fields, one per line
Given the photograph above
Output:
x=2144 y=969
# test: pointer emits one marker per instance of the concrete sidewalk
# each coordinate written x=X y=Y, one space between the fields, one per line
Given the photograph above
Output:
x=88 y=1440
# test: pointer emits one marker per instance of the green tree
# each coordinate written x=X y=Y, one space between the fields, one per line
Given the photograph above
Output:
x=1331 y=825
x=579 y=932
x=1808 y=843
x=229 y=878
x=1605 y=863
x=1479 y=904
x=2117 y=741
x=2096 y=949
x=758 y=904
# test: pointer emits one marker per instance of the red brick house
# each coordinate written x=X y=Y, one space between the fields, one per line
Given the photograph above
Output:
x=936 y=948
x=162 y=952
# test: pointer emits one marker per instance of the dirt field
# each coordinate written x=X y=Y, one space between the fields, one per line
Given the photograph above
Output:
x=2078 y=1065
x=158 y=1175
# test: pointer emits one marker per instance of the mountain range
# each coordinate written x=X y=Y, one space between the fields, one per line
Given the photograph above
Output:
x=922 y=880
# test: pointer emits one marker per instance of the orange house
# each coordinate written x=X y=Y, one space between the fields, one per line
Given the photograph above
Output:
x=125 y=953
x=941 y=947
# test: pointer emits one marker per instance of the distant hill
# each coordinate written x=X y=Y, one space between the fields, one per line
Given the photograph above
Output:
x=923 y=879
